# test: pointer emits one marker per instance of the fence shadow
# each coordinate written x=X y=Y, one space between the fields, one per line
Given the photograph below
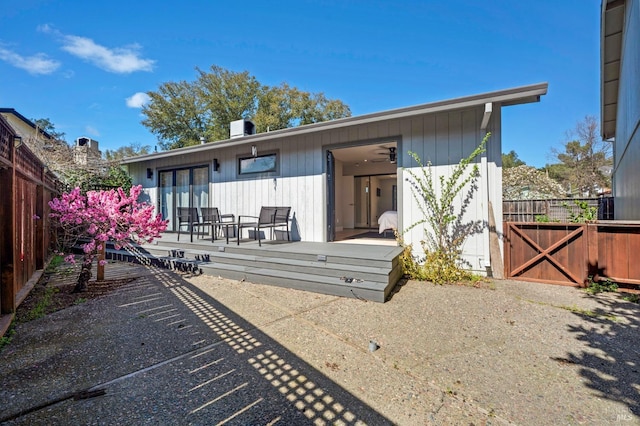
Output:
x=611 y=368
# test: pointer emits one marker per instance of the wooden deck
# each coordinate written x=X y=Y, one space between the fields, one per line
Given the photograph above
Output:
x=364 y=271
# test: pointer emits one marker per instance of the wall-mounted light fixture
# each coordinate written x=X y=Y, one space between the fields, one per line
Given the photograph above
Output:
x=17 y=141
x=254 y=151
x=216 y=165
x=392 y=155
x=149 y=173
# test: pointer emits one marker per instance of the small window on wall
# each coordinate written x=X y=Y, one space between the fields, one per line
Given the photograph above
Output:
x=259 y=164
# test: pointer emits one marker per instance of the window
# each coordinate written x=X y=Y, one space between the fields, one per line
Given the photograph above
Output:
x=259 y=164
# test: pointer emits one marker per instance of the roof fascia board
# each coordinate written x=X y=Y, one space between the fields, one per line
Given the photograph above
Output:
x=514 y=96
x=607 y=122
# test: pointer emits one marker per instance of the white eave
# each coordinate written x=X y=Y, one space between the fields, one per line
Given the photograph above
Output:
x=611 y=27
x=507 y=97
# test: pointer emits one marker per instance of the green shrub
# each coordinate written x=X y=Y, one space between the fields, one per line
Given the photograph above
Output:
x=595 y=287
x=442 y=219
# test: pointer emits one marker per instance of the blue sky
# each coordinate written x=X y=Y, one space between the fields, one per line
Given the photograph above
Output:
x=84 y=65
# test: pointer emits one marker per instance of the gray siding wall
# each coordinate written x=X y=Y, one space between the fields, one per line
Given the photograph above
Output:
x=627 y=142
x=442 y=138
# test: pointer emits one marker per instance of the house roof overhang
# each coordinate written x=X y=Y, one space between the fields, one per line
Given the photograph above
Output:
x=507 y=97
x=611 y=30
x=28 y=122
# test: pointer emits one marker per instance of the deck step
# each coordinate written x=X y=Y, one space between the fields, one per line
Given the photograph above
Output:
x=334 y=270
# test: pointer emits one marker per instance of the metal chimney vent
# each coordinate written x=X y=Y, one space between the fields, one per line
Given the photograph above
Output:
x=241 y=128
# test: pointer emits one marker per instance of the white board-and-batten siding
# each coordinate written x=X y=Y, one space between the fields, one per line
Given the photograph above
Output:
x=300 y=182
x=443 y=140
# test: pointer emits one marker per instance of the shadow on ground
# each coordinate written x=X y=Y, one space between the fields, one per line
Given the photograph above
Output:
x=161 y=350
x=611 y=327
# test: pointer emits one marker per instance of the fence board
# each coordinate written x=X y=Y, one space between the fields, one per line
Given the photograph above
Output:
x=554 y=209
x=24 y=240
x=570 y=253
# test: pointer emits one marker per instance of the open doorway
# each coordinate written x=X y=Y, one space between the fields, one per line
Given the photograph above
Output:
x=364 y=183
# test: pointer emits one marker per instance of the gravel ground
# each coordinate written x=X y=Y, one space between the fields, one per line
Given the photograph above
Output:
x=520 y=353
x=176 y=349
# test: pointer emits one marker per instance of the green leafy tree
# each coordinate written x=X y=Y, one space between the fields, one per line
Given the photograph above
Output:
x=175 y=115
x=587 y=160
x=180 y=114
x=510 y=160
x=445 y=230
x=225 y=96
x=126 y=151
x=46 y=125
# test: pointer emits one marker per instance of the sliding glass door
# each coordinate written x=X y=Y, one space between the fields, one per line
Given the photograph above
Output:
x=167 y=203
x=182 y=188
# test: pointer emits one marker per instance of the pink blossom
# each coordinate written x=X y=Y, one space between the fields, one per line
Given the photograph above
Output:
x=101 y=216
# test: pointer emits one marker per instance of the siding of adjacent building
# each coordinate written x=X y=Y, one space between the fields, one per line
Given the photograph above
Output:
x=627 y=139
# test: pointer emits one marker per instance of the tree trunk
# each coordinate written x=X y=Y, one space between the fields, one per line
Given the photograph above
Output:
x=84 y=277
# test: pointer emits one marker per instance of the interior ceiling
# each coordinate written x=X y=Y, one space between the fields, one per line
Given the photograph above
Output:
x=378 y=152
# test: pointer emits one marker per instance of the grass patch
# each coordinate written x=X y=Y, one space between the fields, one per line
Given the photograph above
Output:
x=6 y=339
x=56 y=261
x=40 y=309
x=632 y=297
x=576 y=310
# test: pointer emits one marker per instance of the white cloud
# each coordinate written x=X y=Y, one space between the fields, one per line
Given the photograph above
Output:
x=120 y=60
x=36 y=64
x=138 y=100
x=92 y=131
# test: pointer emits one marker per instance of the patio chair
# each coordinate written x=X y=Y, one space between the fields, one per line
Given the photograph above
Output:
x=270 y=218
x=187 y=216
x=212 y=218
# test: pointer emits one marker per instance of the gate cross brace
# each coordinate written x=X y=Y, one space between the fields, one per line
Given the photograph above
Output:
x=545 y=253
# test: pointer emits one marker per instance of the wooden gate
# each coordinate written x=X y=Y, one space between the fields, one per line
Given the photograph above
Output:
x=571 y=253
x=549 y=252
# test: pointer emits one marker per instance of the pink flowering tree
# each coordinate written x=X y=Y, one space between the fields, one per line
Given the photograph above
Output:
x=100 y=216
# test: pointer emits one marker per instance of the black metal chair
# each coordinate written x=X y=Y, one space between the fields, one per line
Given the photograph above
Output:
x=212 y=218
x=187 y=216
x=270 y=217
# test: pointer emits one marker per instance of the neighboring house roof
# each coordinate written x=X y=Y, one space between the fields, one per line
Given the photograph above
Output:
x=611 y=27
x=25 y=119
x=513 y=96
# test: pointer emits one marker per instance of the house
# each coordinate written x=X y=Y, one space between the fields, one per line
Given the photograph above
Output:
x=620 y=100
x=33 y=136
x=342 y=174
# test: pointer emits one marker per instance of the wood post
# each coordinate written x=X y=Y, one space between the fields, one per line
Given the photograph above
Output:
x=592 y=252
x=494 y=247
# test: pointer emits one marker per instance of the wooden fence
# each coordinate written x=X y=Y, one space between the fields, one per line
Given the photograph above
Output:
x=555 y=209
x=25 y=235
x=570 y=253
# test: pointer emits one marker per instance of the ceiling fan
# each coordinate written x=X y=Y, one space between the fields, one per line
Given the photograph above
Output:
x=386 y=154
